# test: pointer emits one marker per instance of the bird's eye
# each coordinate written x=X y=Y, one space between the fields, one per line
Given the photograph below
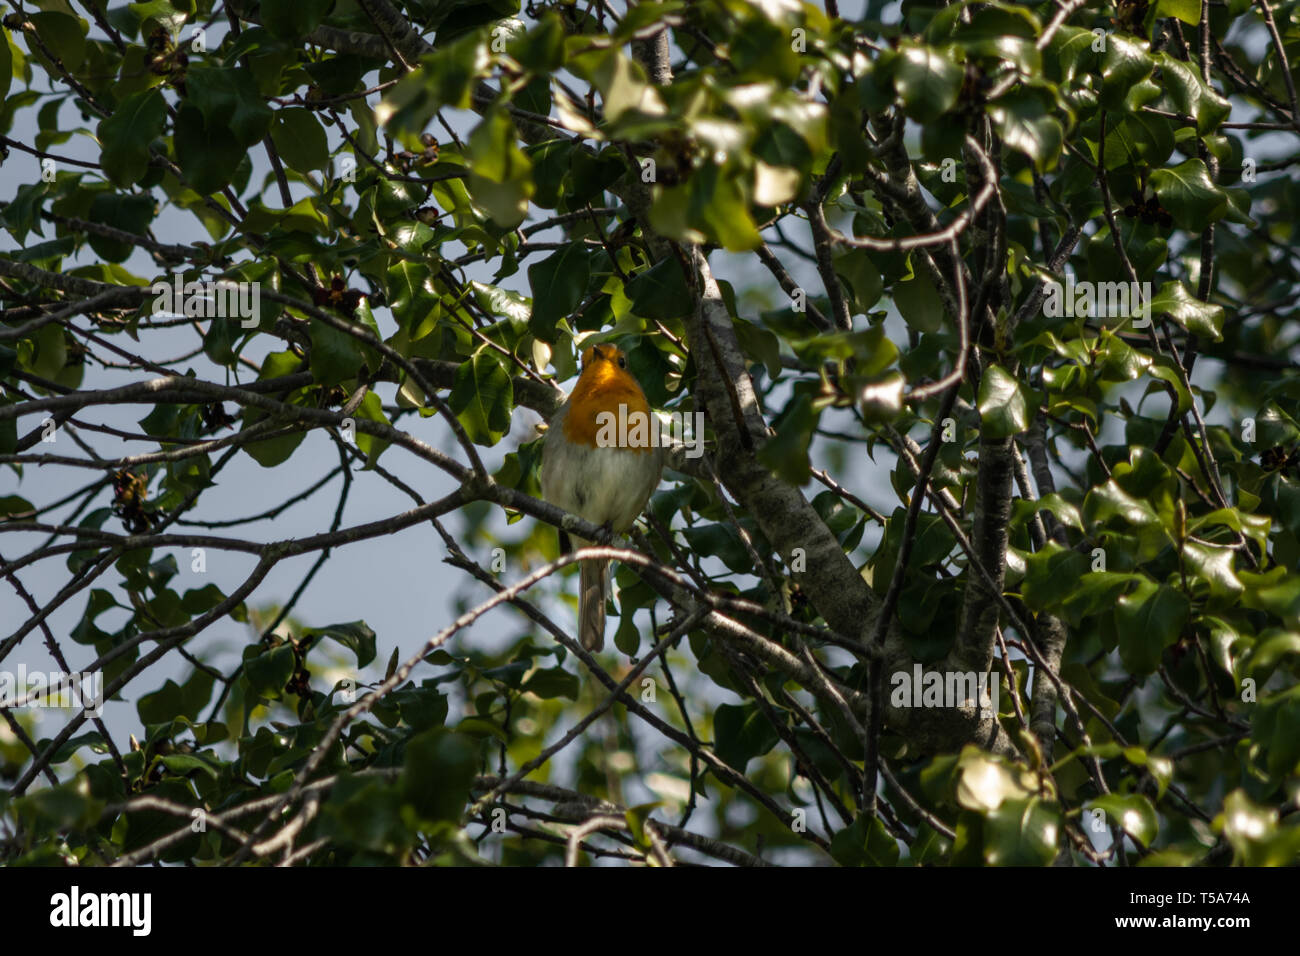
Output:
x=622 y=362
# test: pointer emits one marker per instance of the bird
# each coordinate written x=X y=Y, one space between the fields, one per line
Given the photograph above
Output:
x=603 y=475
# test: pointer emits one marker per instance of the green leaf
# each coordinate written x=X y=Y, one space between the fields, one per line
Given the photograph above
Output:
x=780 y=146
x=1139 y=139
x=541 y=49
x=927 y=80
x=1190 y=96
x=437 y=773
x=421 y=707
x=660 y=292
x=63 y=35
x=847 y=138
x=718 y=206
x=1095 y=593
x=185 y=764
x=996 y=46
x=1071 y=53
x=156 y=13
x=230 y=103
x=1004 y=410
x=132 y=212
x=372 y=409
x=338 y=74
x=1027 y=124
x=1189 y=194
x=335 y=356
x=1133 y=812
x=455 y=17
x=500 y=177
x=628 y=96
x=219 y=341
x=1141 y=95
x=6 y=63
x=863 y=279
x=786 y=453
x=553 y=682
x=1162 y=367
x=1255 y=527
x=300 y=140
x=1214 y=565
x=127 y=133
x=14 y=506
x=865 y=842
x=482 y=397
x=986 y=781
x=1111 y=501
x=51 y=351
x=759 y=344
x=356 y=636
x=501 y=302
x=1052 y=575
x=207 y=157
x=481 y=727
x=1149 y=620
x=411 y=295
x=1189 y=11
x=443 y=78
x=558 y=284
x=267 y=672
x=872 y=351
x=1124 y=64
x=919 y=304
x=70 y=747
x=740 y=733
x=274 y=451
x=636 y=819
x=65 y=806
x=1276 y=725
x=1276 y=591
x=162 y=705
x=1200 y=318
x=719 y=541
x=201 y=600
x=293 y=19
x=1023 y=832
x=1254 y=832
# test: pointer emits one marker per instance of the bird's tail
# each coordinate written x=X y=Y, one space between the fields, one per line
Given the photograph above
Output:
x=591 y=604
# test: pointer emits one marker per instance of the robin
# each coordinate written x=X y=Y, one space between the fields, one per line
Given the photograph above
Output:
x=601 y=460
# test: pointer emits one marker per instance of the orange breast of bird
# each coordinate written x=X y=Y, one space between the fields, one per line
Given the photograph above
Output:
x=606 y=387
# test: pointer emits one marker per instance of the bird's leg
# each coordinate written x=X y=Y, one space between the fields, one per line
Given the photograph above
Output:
x=606 y=537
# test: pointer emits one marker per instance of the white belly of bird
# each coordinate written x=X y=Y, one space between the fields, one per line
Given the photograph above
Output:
x=611 y=484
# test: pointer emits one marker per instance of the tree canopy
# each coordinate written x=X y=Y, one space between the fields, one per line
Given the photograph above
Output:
x=982 y=307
